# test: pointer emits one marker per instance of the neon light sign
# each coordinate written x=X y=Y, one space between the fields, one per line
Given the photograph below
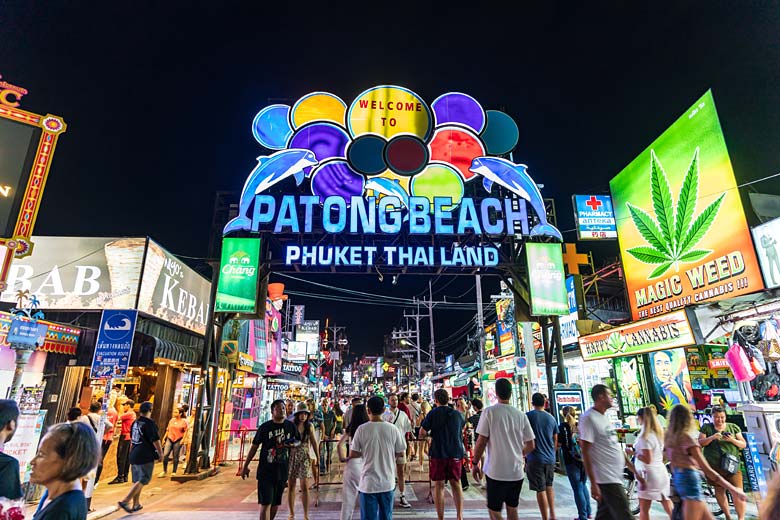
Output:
x=385 y=164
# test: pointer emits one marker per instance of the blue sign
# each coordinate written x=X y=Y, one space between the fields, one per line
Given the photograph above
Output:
x=569 y=332
x=595 y=217
x=114 y=343
x=27 y=332
x=755 y=469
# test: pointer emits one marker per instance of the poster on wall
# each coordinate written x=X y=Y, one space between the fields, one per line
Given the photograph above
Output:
x=24 y=444
x=765 y=237
x=630 y=387
x=672 y=204
x=546 y=279
x=671 y=378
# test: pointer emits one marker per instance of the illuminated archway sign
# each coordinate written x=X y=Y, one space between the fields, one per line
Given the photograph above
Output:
x=387 y=164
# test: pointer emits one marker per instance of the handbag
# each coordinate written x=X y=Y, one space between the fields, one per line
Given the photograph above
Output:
x=728 y=463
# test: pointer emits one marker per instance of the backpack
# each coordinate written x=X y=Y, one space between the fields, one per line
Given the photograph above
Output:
x=574 y=448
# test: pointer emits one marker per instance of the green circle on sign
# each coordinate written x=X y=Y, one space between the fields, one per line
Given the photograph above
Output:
x=438 y=180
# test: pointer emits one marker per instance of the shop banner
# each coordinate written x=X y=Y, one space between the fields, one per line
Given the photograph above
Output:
x=672 y=206
x=295 y=369
x=671 y=378
x=765 y=237
x=238 y=275
x=296 y=351
x=24 y=444
x=25 y=332
x=568 y=397
x=505 y=316
x=663 y=332
x=114 y=343
x=245 y=362
x=491 y=348
x=595 y=217
x=569 y=332
x=546 y=279
x=309 y=332
x=173 y=292
x=755 y=469
x=79 y=273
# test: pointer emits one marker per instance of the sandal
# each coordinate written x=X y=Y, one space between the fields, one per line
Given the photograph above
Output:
x=137 y=508
x=125 y=506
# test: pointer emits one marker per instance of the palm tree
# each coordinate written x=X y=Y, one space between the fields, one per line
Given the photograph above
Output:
x=21 y=297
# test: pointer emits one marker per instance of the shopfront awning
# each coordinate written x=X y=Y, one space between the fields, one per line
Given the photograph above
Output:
x=171 y=351
x=60 y=339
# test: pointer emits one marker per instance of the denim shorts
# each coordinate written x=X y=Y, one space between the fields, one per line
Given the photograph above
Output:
x=688 y=484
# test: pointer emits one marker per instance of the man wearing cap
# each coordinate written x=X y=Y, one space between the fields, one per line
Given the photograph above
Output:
x=126 y=420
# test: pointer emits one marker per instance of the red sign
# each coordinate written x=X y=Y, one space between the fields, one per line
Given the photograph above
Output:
x=716 y=364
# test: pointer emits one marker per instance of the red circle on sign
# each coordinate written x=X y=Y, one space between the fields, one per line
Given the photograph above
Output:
x=458 y=147
x=406 y=155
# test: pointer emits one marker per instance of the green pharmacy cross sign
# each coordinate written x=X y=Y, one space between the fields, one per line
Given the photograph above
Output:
x=238 y=273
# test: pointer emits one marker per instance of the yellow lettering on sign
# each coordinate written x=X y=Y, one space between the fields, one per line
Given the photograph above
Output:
x=5 y=96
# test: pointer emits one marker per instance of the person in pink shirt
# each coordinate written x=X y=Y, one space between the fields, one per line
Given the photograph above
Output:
x=177 y=428
x=126 y=421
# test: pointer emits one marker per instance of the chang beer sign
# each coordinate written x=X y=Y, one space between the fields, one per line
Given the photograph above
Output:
x=546 y=279
x=238 y=271
x=665 y=332
x=682 y=230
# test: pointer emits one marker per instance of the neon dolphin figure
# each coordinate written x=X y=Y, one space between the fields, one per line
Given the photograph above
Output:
x=390 y=188
x=515 y=178
x=270 y=170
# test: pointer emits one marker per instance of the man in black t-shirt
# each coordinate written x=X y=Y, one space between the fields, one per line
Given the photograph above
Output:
x=145 y=449
x=10 y=486
x=274 y=439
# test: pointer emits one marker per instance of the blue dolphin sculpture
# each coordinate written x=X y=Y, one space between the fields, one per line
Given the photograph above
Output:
x=270 y=170
x=388 y=187
x=515 y=178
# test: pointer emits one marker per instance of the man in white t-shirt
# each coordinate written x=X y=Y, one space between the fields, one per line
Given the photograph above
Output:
x=379 y=444
x=603 y=459
x=506 y=433
x=400 y=420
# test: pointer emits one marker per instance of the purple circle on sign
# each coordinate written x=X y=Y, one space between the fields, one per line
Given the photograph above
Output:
x=326 y=140
x=337 y=178
x=459 y=108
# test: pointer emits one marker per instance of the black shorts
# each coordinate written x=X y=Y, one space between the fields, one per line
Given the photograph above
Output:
x=540 y=476
x=500 y=492
x=269 y=491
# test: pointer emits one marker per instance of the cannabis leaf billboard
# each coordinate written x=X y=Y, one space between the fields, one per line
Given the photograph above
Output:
x=681 y=227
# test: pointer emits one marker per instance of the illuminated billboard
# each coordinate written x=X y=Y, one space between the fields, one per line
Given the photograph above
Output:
x=546 y=280
x=681 y=227
x=385 y=164
x=27 y=144
x=238 y=271
x=96 y=273
x=595 y=217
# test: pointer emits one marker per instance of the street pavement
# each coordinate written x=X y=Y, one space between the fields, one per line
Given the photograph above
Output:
x=226 y=495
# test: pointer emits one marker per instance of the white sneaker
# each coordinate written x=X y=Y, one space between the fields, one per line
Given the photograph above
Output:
x=402 y=501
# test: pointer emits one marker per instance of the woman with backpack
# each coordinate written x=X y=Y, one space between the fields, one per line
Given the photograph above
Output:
x=649 y=449
x=572 y=459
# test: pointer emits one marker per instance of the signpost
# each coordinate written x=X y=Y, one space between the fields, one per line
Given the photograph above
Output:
x=114 y=344
x=238 y=275
x=546 y=279
x=595 y=217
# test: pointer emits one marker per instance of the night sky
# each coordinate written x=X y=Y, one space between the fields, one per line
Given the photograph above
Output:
x=159 y=98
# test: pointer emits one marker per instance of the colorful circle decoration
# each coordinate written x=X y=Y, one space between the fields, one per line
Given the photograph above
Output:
x=366 y=154
x=389 y=111
x=459 y=108
x=501 y=133
x=318 y=106
x=271 y=127
x=390 y=134
x=337 y=178
x=326 y=140
x=406 y=155
x=438 y=180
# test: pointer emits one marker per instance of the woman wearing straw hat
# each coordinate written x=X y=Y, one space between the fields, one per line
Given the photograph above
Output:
x=301 y=464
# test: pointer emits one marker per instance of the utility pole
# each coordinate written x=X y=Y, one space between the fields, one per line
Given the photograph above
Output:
x=430 y=318
x=480 y=325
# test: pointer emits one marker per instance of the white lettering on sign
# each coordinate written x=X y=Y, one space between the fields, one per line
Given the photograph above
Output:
x=5 y=191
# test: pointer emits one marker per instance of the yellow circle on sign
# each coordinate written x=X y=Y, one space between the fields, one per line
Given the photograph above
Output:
x=389 y=111
x=318 y=106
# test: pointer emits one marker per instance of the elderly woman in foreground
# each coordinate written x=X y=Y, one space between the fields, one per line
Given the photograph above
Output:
x=67 y=452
